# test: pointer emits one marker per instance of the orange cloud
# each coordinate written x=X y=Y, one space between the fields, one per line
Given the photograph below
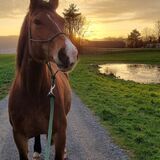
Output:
x=107 y=17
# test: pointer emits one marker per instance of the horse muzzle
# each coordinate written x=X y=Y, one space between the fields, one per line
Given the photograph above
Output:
x=67 y=60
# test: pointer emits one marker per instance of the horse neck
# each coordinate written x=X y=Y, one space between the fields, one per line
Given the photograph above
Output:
x=34 y=76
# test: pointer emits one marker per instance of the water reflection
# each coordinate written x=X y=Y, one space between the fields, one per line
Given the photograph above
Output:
x=141 y=73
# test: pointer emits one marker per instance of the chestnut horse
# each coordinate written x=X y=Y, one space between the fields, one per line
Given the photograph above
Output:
x=41 y=40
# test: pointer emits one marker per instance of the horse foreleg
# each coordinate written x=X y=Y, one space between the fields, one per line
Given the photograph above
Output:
x=60 y=141
x=22 y=145
x=37 y=147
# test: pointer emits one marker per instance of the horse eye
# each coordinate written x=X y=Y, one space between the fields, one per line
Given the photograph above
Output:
x=37 y=22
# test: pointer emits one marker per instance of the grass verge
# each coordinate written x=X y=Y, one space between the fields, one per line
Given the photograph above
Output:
x=131 y=111
x=7 y=69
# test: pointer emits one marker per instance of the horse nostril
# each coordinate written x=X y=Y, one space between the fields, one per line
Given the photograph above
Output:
x=63 y=57
x=72 y=64
x=77 y=56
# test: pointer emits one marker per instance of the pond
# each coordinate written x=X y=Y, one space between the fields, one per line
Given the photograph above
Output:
x=141 y=73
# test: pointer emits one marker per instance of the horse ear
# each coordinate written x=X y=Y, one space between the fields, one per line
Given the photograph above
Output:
x=54 y=3
x=34 y=4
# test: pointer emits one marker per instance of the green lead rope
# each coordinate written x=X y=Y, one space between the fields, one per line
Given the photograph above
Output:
x=47 y=151
x=51 y=117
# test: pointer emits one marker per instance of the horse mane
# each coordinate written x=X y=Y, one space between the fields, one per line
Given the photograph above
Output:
x=22 y=42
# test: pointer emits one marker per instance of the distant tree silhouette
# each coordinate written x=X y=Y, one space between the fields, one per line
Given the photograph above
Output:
x=75 y=24
x=74 y=21
x=134 y=39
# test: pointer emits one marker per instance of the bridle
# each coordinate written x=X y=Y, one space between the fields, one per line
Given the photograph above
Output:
x=48 y=40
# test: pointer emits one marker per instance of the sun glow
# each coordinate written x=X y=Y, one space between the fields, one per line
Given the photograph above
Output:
x=114 y=22
x=10 y=26
x=96 y=30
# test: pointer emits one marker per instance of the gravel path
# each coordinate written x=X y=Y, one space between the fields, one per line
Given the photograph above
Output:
x=86 y=139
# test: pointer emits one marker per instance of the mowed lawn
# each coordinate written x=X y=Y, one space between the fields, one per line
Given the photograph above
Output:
x=130 y=111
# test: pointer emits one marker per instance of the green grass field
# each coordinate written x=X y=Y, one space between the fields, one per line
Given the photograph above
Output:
x=7 y=69
x=130 y=111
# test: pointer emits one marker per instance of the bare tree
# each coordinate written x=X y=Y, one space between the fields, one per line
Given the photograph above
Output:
x=81 y=27
x=148 y=34
x=157 y=30
x=148 y=37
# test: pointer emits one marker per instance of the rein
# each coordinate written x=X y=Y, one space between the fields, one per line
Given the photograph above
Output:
x=51 y=117
x=53 y=78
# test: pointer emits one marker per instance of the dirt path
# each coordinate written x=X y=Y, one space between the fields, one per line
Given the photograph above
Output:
x=86 y=139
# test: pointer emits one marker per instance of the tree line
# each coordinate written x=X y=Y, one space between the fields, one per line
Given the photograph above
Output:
x=147 y=38
x=76 y=26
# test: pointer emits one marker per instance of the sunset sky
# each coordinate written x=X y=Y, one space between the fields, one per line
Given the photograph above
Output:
x=108 y=18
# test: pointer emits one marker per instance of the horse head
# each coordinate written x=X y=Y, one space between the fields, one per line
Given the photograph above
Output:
x=47 y=41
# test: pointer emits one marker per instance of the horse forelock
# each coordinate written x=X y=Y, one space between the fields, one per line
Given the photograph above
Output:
x=41 y=5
